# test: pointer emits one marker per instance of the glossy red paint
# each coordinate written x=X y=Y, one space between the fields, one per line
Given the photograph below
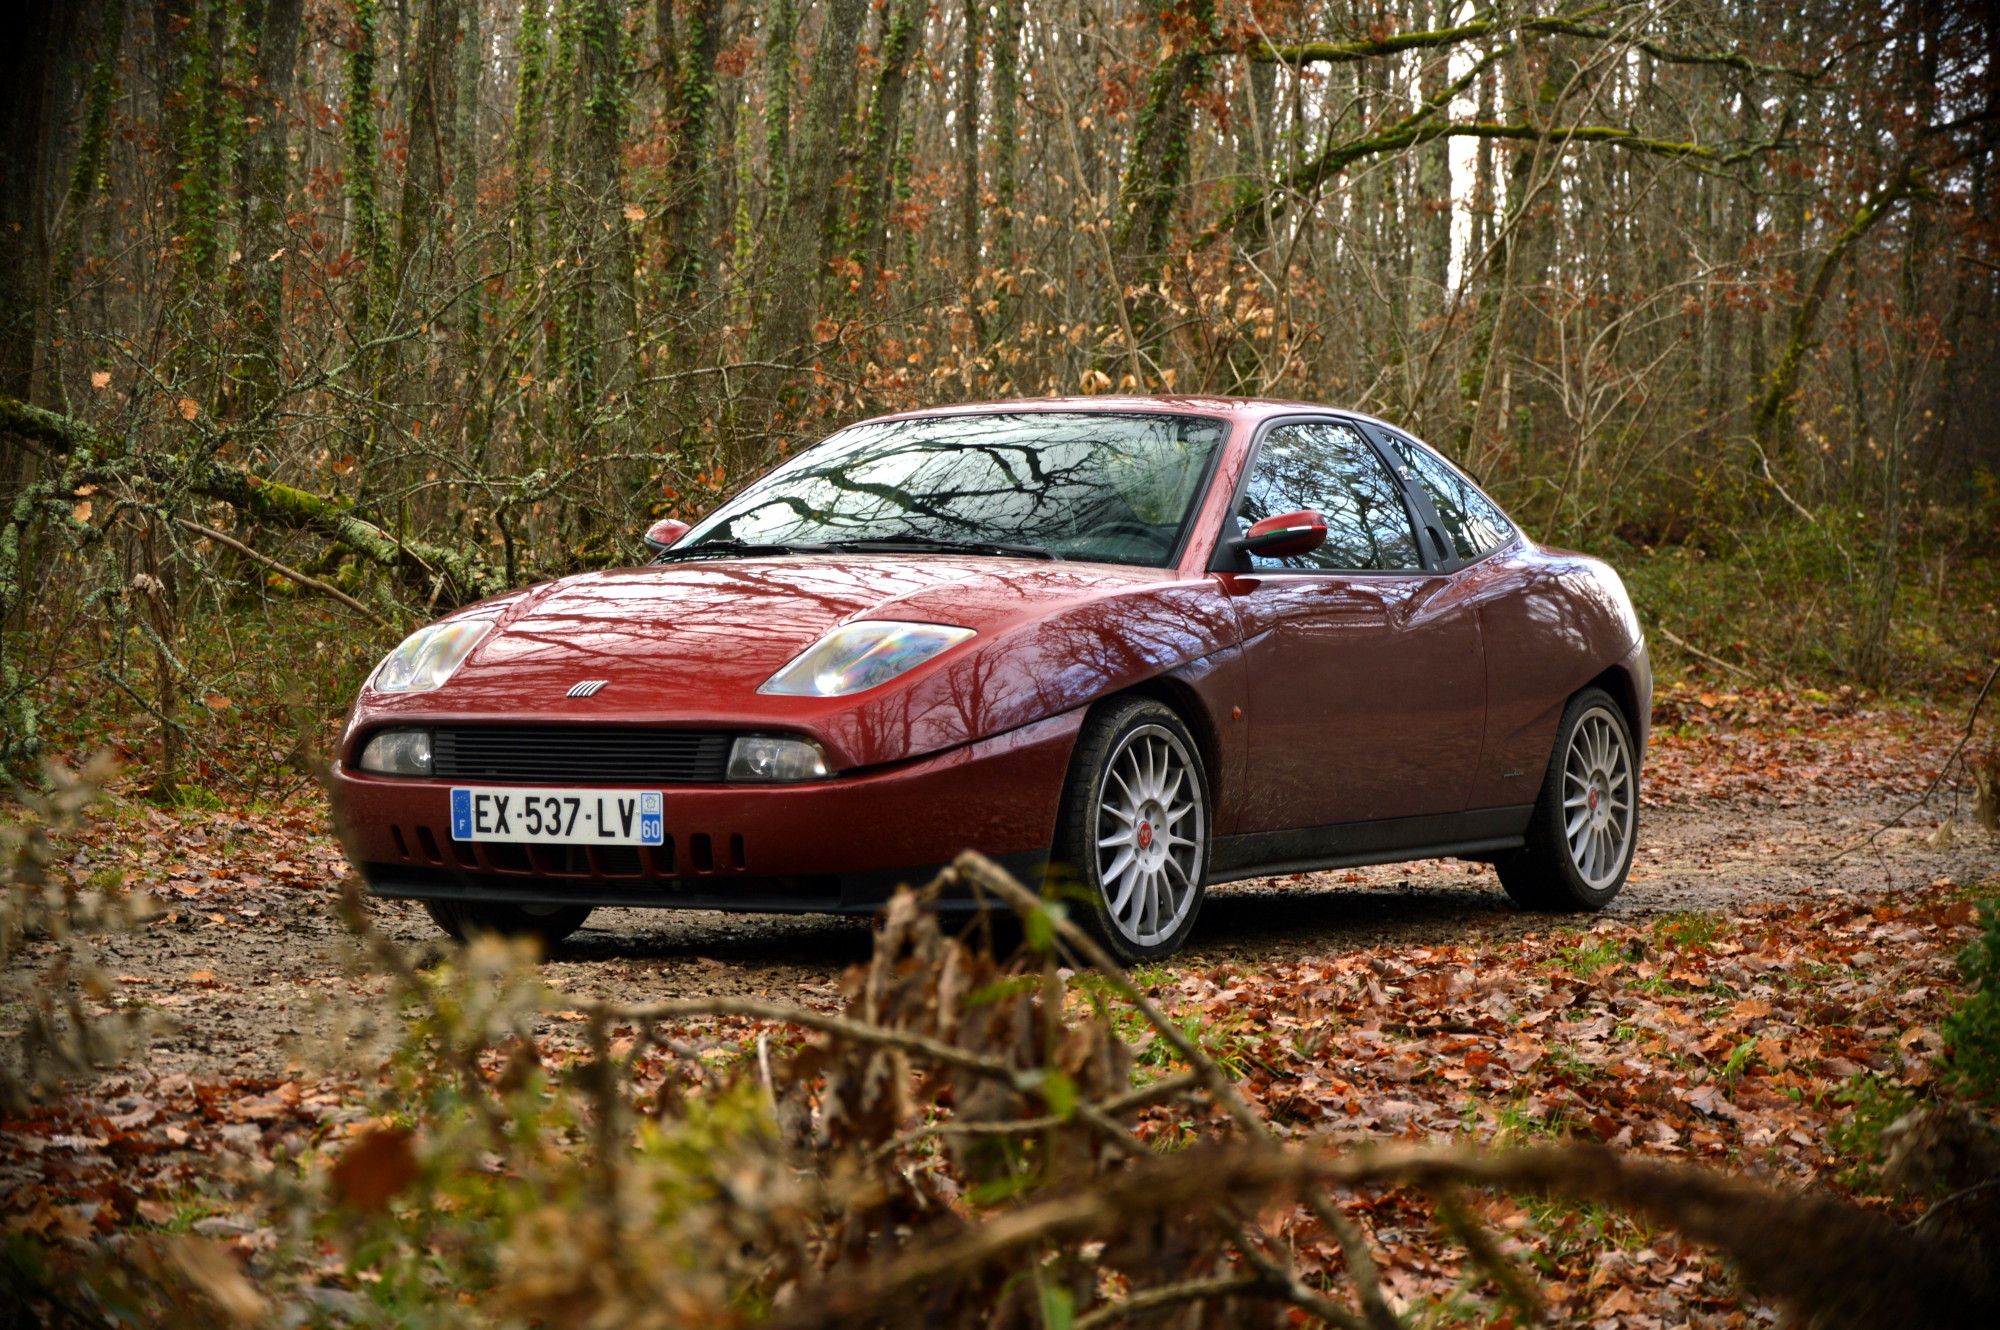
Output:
x=999 y=794
x=1317 y=699
x=665 y=532
x=1286 y=536
x=1367 y=695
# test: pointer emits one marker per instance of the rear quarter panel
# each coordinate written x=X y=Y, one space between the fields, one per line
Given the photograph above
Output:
x=1552 y=621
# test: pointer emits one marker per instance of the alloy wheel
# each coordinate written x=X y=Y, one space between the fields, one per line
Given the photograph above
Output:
x=1598 y=789
x=1150 y=835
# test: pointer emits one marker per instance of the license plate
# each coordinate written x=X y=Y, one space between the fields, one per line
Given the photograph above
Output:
x=558 y=817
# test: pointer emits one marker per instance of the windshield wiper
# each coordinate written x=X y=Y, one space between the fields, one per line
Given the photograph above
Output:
x=732 y=547
x=914 y=544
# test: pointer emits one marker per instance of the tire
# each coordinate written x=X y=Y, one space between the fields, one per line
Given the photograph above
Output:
x=1134 y=828
x=1586 y=819
x=465 y=920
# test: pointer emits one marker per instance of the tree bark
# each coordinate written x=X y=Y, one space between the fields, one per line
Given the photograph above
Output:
x=801 y=237
x=691 y=107
x=263 y=190
x=877 y=170
x=1774 y=408
x=452 y=576
x=973 y=13
x=365 y=224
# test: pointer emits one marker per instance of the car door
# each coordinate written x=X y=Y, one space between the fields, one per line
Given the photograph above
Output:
x=1366 y=685
x=1530 y=633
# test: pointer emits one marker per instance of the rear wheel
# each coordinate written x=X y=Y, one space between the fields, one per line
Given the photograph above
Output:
x=1135 y=828
x=1586 y=821
x=465 y=920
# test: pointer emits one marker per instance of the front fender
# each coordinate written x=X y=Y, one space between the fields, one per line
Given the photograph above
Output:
x=1031 y=669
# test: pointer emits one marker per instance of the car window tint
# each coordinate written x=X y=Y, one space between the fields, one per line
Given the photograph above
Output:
x=1327 y=467
x=1115 y=487
x=1472 y=521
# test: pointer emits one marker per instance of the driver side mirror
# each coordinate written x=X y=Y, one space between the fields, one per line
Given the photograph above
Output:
x=663 y=533
x=1285 y=536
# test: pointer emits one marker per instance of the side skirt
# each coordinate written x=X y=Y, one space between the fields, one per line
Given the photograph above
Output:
x=1483 y=831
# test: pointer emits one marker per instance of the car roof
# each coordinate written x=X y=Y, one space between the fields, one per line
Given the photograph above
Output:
x=1239 y=409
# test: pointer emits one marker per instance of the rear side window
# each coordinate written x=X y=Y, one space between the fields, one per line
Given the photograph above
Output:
x=1327 y=467
x=1475 y=525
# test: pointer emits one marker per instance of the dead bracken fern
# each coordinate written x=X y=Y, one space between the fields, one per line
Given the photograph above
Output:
x=964 y=1144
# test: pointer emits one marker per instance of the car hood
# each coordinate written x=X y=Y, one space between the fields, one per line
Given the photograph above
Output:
x=690 y=644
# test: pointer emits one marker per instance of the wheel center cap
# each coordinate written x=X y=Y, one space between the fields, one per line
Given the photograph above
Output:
x=1593 y=799
x=1145 y=835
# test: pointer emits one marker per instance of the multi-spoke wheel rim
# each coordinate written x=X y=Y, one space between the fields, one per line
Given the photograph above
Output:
x=1597 y=798
x=1150 y=831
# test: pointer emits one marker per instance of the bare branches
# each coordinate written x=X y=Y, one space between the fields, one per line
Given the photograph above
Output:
x=1774 y=407
x=1300 y=54
x=266 y=561
x=1419 y=130
x=455 y=575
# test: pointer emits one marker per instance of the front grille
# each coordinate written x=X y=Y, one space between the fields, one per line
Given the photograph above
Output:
x=577 y=753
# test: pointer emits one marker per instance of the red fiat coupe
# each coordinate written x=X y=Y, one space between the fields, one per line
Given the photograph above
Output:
x=1157 y=643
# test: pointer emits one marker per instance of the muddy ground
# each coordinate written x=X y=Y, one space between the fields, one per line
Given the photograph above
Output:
x=248 y=961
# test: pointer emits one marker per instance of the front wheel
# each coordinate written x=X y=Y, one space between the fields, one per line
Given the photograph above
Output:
x=465 y=920
x=1586 y=821
x=1135 y=828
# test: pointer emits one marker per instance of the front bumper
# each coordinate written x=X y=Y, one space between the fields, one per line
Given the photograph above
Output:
x=840 y=845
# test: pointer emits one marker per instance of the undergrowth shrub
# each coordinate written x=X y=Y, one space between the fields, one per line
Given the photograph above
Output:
x=70 y=1020
x=960 y=1146
x=1972 y=1033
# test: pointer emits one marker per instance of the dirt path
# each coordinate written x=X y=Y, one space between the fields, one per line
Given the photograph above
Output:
x=251 y=971
x=1747 y=798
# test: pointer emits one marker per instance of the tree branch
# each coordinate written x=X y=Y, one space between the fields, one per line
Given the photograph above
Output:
x=1775 y=407
x=1301 y=54
x=309 y=583
x=1414 y=131
x=464 y=576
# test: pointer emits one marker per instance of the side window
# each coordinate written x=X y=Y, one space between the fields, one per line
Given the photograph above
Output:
x=1327 y=467
x=1472 y=521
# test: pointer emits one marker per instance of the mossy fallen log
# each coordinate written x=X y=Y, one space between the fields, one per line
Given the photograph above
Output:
x=443 y=575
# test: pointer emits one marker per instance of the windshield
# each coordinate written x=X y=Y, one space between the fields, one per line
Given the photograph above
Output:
x=1102 y=486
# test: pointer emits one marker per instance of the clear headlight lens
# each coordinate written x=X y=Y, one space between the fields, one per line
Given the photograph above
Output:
x=769 y=758
x=428 y=656
x=858 y=656
x=398 y=753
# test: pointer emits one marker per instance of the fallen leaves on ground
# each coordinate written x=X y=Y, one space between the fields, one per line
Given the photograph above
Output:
x=1789 y=747
x=1735 y=1041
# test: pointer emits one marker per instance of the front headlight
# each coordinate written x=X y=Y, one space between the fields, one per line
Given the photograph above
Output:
x=768 y=757
x=428 y=656
x=398 y=753
x=858 y=656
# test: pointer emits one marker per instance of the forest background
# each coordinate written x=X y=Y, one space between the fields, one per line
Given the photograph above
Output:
x=320 y=316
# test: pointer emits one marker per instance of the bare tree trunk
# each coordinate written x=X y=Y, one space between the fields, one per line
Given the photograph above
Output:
x=801 y=236
x=779 y=57
x=263 y=189
x=36 y=67
x=432 y=135
x=690 y=106
x=465 y=172
x=1433 y=201
x=1774 y=408
x=363 y=206
x=1006 y=129
x=1156 y=166
x=974 y=12
x=877 y=169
